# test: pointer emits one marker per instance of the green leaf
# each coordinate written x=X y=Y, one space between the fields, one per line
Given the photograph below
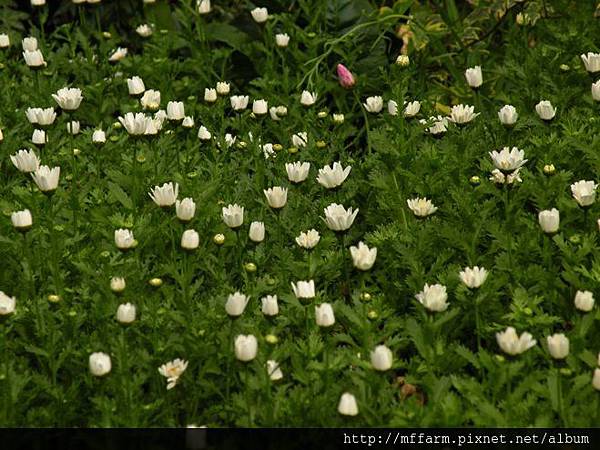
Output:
x=120 y=195
x=229 y=34
x=554 y=389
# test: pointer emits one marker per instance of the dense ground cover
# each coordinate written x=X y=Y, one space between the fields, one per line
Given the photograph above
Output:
x=445 y=360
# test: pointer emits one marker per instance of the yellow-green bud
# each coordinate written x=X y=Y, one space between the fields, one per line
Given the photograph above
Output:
x=403 y=60
x=156 y=282
x=271 y=339
x=53 y=298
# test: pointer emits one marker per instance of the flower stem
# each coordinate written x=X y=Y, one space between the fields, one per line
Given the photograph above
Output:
x=74 y=196
x=548 y=264
x=346 y=287
x=508 y=226
x=229 y=374
x=366 y=118
x=561 y=403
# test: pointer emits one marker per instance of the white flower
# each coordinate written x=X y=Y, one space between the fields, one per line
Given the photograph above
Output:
x=165 y=195
x=513 y=344
x=596 y=379
x=421 y=207
x=135 y=85
x=257 y=231
x=172 y=371
x=300 y=139
x=276 y=196
x=236 y=304
x=433 y=297
x=324 y=315
x=7 y=304
x=462 y=114
x=144 y=30
x=282 y=39
x=68 y=99
x=246 y=347
x=277 y=112
x=260 y=15
x=332 y=177
x=190 y=240
x=41 y=116
x=499 y=178
x=508 y=115
x=392 y=107
x=507 y=159
x=304 y=289
x=308 y=98
x=126 y=313
x=545 y=110
x=558 y=346
x=273 y=370
x=233 y=215
x=117 y=284
x=309 y=239
x=204 y=134
x=39 y=137
x=374 y=104
x=203 y=6
x=25 y=160
x=363 y=257
x=118 y=54
x=297 y=171
x=175 y=110
x=596 y=91
x=185 y=209
x=347 y=405
x=21 y=220
x=124 y=238
x=411 y=109
x=46 y=178
x=260 y=107
x=135 y=124
x=591 y=61
x=34 y=58
x=239 y=102
x=474 y=76
x=473 y=277
x=549 y=220
x=98 y=137
x=99 y=364
x=338 y=218
x=188 y=122
x=438 y=125
x=381 y=358
x=210 y=95
x=269 y=305
x=222 y=88
x=268 y=151
x=4 y=40
x=584 y=192
x=338 y=118
x=73 y=127
x=584 y=301
x=150 y=99
x=230 y=140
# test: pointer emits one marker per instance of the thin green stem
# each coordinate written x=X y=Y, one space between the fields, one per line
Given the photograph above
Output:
x=507 y=218
x=366 y=119
x=561 y=402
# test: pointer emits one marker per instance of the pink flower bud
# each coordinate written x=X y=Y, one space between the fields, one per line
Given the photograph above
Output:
x=346 y=78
